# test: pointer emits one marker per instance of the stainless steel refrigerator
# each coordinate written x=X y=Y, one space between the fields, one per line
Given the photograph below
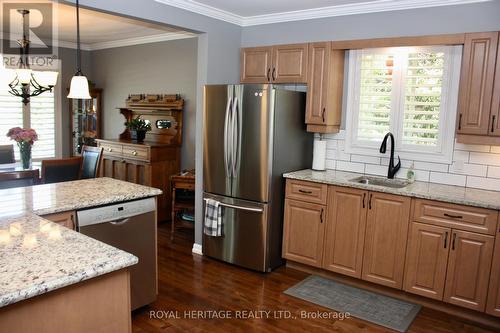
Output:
x=252 y=135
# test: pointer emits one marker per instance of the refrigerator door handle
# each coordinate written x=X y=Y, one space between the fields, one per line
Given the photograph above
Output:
x=248 y=209
x=235 y=137
x=227 y=141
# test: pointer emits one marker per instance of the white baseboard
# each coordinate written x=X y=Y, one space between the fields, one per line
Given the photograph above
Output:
x=197 y=249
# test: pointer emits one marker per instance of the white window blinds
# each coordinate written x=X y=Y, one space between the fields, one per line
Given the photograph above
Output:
x=39 y=114
x=409 y=91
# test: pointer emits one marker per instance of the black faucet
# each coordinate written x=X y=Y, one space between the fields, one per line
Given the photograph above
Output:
x=392 y=169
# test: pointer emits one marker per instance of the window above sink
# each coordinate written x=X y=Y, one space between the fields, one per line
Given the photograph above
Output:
x=409 y=91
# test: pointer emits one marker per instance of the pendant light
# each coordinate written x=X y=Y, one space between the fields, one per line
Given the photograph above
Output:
x=79 y=88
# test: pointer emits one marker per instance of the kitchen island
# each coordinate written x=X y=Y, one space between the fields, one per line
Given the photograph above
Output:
x=44 y=266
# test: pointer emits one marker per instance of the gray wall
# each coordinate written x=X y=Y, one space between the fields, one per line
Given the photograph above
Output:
x=164 y=67
x=427 y=21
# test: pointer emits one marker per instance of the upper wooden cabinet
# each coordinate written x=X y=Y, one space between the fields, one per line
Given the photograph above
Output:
x=325 y=88
x=256 y=64
x=385 y=239
x=493 y=302
x=476 y=116
x=274 y=64
x=345 y=231
x=468 y=270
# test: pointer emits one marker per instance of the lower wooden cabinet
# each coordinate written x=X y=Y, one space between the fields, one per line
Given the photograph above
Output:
x=493 y=301
x=66 y=219
x=426 y=260
x=468 y=271
x=345 y=231
x=303 y=232
x=385 y=239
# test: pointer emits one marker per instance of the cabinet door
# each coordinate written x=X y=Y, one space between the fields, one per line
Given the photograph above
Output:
x=468 y=269
x=385 y=239
x=476 y=82
x=289 y=63
x=303 y=232
x=255 y=65
x=426 y=260
x=345 y=230
x=493 y=304
x=319 y=55
x=495 y=102
x=66 y=219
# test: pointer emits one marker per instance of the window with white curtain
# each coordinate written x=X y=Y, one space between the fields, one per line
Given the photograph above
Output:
x=40 y=114
x=409 y=91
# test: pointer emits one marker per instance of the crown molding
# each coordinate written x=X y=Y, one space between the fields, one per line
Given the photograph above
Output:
x=205 y=10
x=141 y=40
x=314 y=13
x=126 y=42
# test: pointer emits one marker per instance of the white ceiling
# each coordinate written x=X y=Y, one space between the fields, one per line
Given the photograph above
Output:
x=255 y=12
x=99 y=30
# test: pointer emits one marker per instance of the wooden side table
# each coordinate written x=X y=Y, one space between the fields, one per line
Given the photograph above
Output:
x=182 y=181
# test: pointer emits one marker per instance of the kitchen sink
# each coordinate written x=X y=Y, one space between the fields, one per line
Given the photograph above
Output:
x=377 y=181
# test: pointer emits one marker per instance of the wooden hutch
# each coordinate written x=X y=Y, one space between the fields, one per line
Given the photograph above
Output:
x=153 y=161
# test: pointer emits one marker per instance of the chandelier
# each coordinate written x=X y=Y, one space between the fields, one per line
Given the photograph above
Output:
x=27 y=83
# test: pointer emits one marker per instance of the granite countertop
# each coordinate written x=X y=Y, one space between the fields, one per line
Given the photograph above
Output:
x=446 y=193
x=38 y=256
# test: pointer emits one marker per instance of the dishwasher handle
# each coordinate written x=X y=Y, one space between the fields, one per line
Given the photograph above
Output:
x=120 y=221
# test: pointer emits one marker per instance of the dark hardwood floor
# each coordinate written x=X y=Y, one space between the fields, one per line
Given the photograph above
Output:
x=189 y=282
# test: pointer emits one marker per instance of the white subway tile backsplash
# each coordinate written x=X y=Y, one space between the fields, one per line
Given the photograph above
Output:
x=447 y=178
x=485 y=158
x=431 y=166
x=477 y=148
x=404 y=163
x=459 y=155
x=483 y=183
x=469 y=169
x=350 y=166
x=365 y=159
x=378 y=170
x=493 y=172
x=475 y=166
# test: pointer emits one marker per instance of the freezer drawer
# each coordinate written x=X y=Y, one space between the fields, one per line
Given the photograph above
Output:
x=245 y=232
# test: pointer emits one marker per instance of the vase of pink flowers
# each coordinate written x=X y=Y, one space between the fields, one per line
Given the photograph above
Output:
x=25 y=139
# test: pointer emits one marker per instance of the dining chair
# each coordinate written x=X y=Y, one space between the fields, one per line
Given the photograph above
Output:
x=7 y=154
x=92 y=157
x=19 y=178
x=61 y=170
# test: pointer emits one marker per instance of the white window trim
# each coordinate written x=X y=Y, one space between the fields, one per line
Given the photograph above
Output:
x=446 y=122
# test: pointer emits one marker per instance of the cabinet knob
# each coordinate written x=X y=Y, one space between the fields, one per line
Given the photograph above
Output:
x=110 y=149
x=134 y=152
x=123 y=161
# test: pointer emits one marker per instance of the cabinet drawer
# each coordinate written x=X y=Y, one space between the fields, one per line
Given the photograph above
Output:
x=306 y=191
x=455 y=216
x=136 y=152
x=111 y=149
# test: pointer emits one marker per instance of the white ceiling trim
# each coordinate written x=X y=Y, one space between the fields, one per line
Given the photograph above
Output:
x=205 y=10
x=314 y=13
x=126 y=42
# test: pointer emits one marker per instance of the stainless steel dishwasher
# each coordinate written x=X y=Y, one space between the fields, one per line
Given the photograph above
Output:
x=131 y=227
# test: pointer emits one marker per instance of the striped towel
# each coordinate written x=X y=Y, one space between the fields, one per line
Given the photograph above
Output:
x=213 y=218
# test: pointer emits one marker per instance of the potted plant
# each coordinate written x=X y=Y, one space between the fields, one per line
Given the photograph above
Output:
x=138 y=128
x=25 y=139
